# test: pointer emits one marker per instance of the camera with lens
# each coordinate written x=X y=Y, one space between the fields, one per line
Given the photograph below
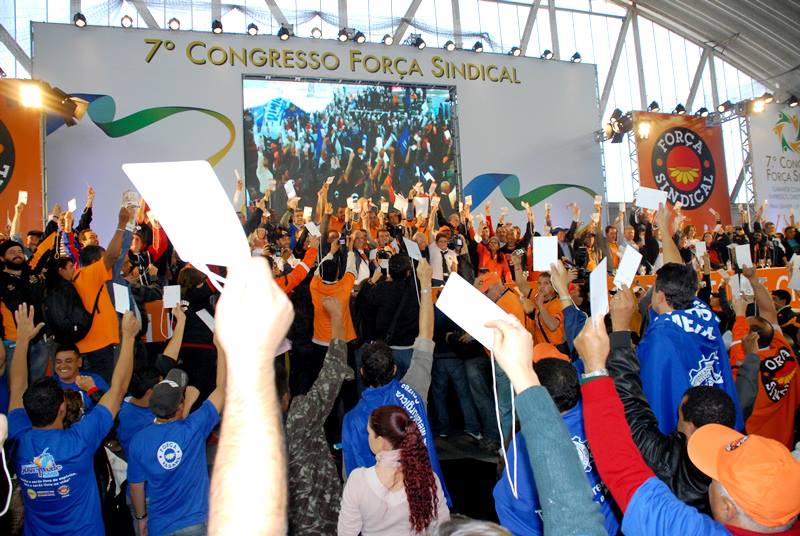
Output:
x=580 y=259
x=455 y=243
x=383 y=254
x=395 y=231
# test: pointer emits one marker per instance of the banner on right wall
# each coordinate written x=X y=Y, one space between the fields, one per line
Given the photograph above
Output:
x=775 y=142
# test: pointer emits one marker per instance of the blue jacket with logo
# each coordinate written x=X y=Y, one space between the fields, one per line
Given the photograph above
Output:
x=679 y=350
x=355 y=444
x=522 y=516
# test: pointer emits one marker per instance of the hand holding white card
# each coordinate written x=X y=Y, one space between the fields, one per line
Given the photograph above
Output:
x=545 y=252
x=401 y=204
x=313 y=230
x=468 y=200
x=329 y=180
x=743 y=257
x=412 y=248
x=628 y=268
x=385 y=207
x=700 y=248
x=122 y=301
x=469 y=309
x=72 y=205
x=421 y=205
x=598 y=285
x=307 y=213
x=650 y=198
x=22 y=197
x=289 y=187
x=172 y=296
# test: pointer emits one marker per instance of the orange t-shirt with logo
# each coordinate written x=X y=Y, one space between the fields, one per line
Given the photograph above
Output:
x=778 y=394
x=105 y=326
x=540 y=331
x=322 y=320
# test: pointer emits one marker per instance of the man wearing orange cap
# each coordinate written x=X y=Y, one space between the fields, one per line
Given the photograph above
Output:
x=755 y=482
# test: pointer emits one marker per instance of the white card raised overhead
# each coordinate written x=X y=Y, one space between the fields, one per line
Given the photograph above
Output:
x=650 y=198
x=469 y=309
x=421 y=205
x=385 y=207
x=22 y=197
x=545 y=252
x=468 y=200
x=401 y=204
x=598 y=285
x=308 y=212
x=122 y=300
x=172 y=296
x=412 y=248
x=72 y=205
x=743 y=257
x=312 y=228
x=170 y=187
x=289 y=187
x=628 y=267
x=700 y=248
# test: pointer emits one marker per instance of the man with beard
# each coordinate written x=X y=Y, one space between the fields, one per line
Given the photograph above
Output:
x=19 y=285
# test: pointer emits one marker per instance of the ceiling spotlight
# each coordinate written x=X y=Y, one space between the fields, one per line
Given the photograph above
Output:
x=342 y=37
x=79 y=20
x=768 y=98
x=449 y=46
x=547 y=54
x=216 y=27
x=654 y=107
x=175 y=24
x=575 y=58
x=126 y=21
x=622 y=125
x=388 y=40
x=284 y=34
x=757 y=106
x=616 y=114
x=419 y=42
x=643 y=129
x=477 y=47
x=792 y=102
x=360 y=38
x=515 y=51
x=702 y=112
x=30 y=95
x=725 y=106
x=252 y=29
x=316 y=33
x=680 y=109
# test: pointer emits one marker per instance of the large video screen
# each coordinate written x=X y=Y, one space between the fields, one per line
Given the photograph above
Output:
x=373 y=139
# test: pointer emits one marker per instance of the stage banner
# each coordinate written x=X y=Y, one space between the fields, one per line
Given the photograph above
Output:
x=684 y=157
x=293 y=113
x=775 y=142
x=20 y=161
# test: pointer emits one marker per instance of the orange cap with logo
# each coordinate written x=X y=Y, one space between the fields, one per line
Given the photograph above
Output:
x=543 y=350
x=760 y=474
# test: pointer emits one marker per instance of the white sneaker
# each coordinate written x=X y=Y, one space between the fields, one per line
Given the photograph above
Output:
x=476 y=437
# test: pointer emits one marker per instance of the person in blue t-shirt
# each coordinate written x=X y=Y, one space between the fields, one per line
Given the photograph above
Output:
x=55 y=466
x=170 y=457
x=135 y=414
x=522 y=515
x=91 y=386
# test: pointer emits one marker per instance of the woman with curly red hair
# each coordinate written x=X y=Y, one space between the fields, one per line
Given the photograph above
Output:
x=400 y=494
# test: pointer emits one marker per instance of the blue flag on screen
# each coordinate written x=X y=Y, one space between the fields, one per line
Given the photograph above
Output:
x=402 y=142
x=318 y=144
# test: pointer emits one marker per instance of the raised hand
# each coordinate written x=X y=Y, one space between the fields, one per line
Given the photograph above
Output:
x=513 y=349
x=622 y=307
x=26 y=330
x=593 y=345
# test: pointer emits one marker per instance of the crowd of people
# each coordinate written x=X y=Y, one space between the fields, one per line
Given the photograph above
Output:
x=316 y=385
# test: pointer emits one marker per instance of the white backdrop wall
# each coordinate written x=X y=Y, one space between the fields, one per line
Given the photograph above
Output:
x=775 y=141
x=535 y=123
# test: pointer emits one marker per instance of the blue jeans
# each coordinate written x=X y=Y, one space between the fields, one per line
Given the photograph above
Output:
x=38 y=356
x=479 y=377
x=445 y=369
x=101 y=362
x=402 y=358
x=201 y=529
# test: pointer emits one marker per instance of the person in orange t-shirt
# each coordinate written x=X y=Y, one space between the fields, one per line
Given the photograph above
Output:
x=778 y=396
x=546 y=314
x=98 y=347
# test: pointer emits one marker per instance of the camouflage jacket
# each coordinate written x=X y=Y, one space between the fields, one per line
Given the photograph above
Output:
x=315 y=487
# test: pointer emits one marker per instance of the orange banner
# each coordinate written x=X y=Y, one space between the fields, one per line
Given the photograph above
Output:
x=685 y=158
x=20 y=161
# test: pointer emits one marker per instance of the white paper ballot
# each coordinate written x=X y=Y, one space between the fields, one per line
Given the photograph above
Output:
x=650 y=198
x=453 y=196
x=289 y=187
x=122 y=301
x=700 y=248
x=743 y=258
x=329 y=180
x=469 y=309
x=468 y=200
x=22 y=197
x=598 y=285
x=385 y=207
x=172 y=296
x=545 y=252
x=72 y=205
x=207 y=319
x=351 y=203
x=740 y=286
x=429 y=177
x=628 y=267
x=312 y=228
x=794 y=283
x=421 y=205
x=401 y=204
x=169 y=188
x=412 y=248
x=307 y=212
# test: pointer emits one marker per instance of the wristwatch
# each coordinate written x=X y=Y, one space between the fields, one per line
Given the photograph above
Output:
x=139 y=517
x=585 y=377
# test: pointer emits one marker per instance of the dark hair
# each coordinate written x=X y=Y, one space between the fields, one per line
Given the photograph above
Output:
x=41 y=400
x=188 y=278
x=377 y=364
x=329 y=270
x=764 y=329
x=91 y=254
x=62 y=262
x=400 y=266
x=561 y=381
x=83 y=233
x=459 y=525
x=66 y=347
x=281 y=377
x=708 y=405
x=37 y=234
x=678 y=282
x=144 y=378
x=74 y=407
x=782 y=295
x=608 y=228
x=393 y=424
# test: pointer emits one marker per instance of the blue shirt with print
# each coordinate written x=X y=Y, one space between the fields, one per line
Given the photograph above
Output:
x=56 y=470
x=171 y=459
x=132 y=419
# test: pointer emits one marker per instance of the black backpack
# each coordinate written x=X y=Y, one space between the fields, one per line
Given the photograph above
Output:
x=65 y=316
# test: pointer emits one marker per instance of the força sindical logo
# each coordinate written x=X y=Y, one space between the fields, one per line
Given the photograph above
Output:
x=684 y=167
x=787 y=129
